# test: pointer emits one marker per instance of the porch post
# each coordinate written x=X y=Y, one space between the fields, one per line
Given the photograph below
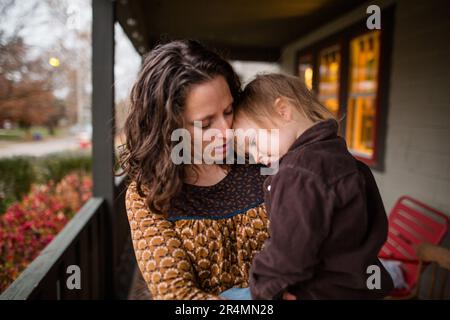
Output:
x=103 y=125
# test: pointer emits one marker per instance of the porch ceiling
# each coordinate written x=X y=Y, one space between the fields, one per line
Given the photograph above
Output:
x=245 y=30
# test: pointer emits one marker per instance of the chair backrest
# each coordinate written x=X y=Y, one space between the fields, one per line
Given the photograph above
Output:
x=439 y=257
x=411 y=223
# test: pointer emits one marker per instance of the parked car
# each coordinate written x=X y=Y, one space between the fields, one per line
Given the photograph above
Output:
x=84 y=135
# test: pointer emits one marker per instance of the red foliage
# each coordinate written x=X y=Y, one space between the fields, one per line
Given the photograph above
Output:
x=28 y=226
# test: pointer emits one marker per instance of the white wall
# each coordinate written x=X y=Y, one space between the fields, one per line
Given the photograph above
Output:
x=247 y=70
x=418 y=136
x=417 y=155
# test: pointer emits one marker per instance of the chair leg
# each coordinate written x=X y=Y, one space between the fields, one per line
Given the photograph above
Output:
x=443 y=283
x=416 y=292
x=433 y=281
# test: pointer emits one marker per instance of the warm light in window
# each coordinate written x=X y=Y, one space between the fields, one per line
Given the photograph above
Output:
x=330 y=59
x=334 y=67
x=361 y=113
x=308 y=77
x=305 y=71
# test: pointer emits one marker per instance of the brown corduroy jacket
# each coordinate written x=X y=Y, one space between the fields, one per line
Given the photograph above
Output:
x=327 y=224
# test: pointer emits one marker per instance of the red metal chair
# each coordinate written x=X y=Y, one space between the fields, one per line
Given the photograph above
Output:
x=412 y=223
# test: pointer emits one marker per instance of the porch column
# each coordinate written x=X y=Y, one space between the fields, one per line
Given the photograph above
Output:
x=103 y=124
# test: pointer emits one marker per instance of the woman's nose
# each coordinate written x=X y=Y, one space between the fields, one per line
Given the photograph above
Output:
x=224 y=126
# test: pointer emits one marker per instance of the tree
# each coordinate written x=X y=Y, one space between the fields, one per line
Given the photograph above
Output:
x=27 y=82
x=26 y=94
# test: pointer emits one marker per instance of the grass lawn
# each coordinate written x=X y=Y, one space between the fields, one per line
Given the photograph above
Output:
x=22 y=135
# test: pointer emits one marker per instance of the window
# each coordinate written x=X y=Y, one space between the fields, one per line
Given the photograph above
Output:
x=349 y=72
x=329 y=65
x=361 y=107
x=305 y=71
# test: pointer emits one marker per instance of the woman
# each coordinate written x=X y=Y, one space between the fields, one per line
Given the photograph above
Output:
x=195 y=227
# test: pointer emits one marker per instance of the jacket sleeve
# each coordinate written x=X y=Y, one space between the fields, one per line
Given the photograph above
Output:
x=300 y=213
x=165 y=265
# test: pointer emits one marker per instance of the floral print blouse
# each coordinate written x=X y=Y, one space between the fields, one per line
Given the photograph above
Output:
x=206 y=242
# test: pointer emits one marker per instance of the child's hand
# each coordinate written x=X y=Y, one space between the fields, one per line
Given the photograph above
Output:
x=289 y=296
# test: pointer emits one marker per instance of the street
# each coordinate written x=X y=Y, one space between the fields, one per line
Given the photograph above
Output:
x=37 y=148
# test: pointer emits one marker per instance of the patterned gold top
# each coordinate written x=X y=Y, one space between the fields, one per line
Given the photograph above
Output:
x=202 y=250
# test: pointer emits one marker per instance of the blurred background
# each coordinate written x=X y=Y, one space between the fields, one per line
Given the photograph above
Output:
x=66 y=68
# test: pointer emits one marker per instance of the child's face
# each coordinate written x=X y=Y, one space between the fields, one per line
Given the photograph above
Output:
x=265 y=144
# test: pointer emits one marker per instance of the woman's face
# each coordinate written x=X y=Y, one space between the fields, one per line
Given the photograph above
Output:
x=208 y=115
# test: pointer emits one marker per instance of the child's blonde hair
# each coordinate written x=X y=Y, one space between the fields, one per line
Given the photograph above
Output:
x=260 y=94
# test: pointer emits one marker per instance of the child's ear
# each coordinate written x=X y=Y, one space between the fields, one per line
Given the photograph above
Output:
x=283 y=108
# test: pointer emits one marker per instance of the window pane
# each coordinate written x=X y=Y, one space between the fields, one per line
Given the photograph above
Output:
x=305 y=71
x=329 y=64
x=364 y=60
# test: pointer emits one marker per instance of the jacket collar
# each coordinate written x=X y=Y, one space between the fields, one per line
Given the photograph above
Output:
x=320 y=131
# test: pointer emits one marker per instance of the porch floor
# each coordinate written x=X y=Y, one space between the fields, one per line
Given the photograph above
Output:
x=139 y=289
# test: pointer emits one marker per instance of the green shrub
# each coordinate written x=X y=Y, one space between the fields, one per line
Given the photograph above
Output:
x=57 y=166
x=16 y=176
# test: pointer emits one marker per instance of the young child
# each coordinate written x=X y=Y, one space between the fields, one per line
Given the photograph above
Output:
x=327 y=219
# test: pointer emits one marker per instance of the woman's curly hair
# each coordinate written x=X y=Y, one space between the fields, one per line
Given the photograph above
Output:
x=157 y=100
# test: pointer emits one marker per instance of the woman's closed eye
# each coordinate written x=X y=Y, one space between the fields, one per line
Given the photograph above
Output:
x=206 y=125
x=228 y=111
